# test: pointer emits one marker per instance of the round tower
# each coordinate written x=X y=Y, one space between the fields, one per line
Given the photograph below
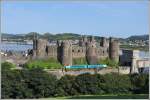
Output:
x=41 y=48
x=66 y=53
x=114 y=49
x=91 y=53
x=81 y=41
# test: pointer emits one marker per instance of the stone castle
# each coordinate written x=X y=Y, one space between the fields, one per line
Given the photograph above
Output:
x=64 y=51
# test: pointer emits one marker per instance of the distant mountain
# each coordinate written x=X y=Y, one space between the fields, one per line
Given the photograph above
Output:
x=138 y=37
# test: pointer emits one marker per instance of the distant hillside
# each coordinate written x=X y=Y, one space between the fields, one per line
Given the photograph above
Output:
x=12 y=36
x=49 y=36
x=64 y=36
x=138 y=37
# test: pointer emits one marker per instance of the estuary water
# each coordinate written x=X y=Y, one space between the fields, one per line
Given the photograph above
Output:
x=15 y=47
x=24 y=47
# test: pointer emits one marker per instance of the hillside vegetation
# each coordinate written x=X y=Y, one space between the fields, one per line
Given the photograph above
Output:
x=37 y=83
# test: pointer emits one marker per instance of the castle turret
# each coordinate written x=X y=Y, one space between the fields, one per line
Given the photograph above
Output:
x=39 y=48
x=103 y=42
x=35 y=40
x=92 y=39
x=113 y=49
x=66 y=53
x=91 y=52
x=83 y=41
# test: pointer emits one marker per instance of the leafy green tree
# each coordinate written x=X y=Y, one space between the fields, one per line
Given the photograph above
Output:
x=87 y=84
x=116 y=84
x=65 y=86
x=40 y=82
x=140 y=83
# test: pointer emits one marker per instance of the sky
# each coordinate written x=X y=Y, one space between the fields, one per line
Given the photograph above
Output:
x=112 y=18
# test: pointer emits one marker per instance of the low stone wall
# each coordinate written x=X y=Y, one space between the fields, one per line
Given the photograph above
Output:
x=60 y=73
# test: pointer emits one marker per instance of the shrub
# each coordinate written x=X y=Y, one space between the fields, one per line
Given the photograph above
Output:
x=7 y=65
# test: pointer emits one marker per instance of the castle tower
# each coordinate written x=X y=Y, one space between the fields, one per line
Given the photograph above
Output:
x=113 y=49
x=59 y=50
x=35 y=41
x=39 y=48
x=34 y=47
x=91 y=52
x=83 y=41
x=66 y=53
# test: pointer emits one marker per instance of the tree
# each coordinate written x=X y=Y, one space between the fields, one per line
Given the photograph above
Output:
x=65 y=86
x=87 y=84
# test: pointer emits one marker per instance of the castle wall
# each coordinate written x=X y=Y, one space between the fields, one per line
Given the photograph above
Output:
x=52 y=51
x=102 y=52
x=78 y=52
